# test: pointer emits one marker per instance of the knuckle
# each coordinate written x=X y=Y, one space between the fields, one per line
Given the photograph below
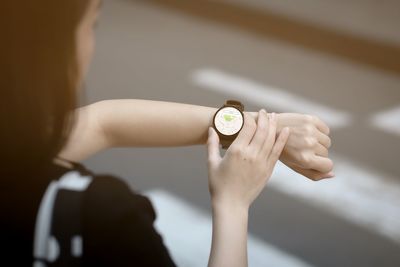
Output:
x=328 y=130
x=306 y=160
x=310 y=141
x=329 y=141
x=309 y=129
x=308 y=118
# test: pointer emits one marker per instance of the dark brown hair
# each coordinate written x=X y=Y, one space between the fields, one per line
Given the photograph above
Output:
x=38 y=80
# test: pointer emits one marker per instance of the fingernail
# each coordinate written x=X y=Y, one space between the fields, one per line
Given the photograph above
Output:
x=263 y=110
x=273 y=116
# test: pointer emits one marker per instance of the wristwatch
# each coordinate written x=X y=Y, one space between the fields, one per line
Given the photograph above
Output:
x=228 y=121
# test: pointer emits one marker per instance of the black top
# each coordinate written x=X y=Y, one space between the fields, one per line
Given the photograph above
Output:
x=117 y=223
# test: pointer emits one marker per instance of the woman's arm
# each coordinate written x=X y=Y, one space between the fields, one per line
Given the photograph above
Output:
x=148 y=123
x=136 y=123
x=229 y=236
x=235 y=181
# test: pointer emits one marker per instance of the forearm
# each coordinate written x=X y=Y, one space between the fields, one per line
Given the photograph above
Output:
x=229 y=237
x=136 y=122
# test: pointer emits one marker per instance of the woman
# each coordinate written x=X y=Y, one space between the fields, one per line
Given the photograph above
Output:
x=45 y=50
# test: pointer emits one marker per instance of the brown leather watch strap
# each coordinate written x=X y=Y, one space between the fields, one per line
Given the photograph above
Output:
x=225 y=143
x=235 y=103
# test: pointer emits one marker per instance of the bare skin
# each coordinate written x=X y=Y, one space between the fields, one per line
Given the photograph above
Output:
x=147 y=123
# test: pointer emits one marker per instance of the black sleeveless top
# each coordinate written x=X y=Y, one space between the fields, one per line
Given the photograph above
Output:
x=117 y=222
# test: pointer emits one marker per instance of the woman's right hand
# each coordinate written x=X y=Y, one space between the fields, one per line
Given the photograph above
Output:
x=239 y=176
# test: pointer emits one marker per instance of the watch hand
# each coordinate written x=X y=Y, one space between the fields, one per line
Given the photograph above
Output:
x=228 y=117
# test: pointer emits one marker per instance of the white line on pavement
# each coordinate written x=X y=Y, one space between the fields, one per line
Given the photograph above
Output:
x=186 y=231
x=361 y=196
x=388 y=121
x=266 y=96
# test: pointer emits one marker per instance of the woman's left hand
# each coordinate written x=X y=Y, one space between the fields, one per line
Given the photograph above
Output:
x=306 y=150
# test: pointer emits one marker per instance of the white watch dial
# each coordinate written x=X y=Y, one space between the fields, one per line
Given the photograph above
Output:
x=228 y=121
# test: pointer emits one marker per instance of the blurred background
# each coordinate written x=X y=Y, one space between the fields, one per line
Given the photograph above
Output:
x=339 y=60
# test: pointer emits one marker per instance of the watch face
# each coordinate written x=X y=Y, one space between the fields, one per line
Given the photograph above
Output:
x=228 y=121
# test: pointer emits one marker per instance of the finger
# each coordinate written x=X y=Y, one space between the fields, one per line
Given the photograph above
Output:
x=322 y=126
x=323 y=139
x=321 y=151
x=312 y=174
x=278 y=146
x=321 y=164
x=246 y=134
x=213 y=146
x=271 y=136
x=261 y=133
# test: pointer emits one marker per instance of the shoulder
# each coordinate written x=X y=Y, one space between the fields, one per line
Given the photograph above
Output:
x=116 y=198
x=107 y=195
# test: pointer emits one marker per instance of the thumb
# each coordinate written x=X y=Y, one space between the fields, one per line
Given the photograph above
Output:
x=213 y=145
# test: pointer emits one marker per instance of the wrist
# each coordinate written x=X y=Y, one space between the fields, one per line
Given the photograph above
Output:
x=252 y=114
x=236 y=216
x=222 y=206
x=279 y=125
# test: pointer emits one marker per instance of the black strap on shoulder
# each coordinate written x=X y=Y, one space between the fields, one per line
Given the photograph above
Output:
x=58 y=231
x=77 y=166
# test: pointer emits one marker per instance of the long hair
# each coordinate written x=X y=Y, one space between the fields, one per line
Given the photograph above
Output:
x=38 y=80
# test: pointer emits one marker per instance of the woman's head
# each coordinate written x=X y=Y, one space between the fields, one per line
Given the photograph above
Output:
x=45 y=50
